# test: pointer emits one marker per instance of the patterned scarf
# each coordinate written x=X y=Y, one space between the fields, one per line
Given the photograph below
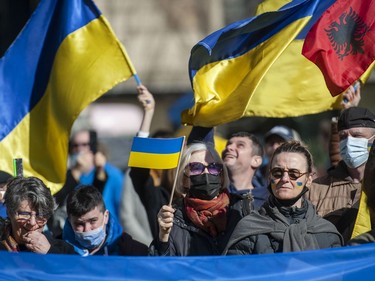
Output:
x=6 y=238
x=209 y=215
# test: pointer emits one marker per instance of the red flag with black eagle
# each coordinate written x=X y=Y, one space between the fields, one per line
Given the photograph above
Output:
x=342 y=43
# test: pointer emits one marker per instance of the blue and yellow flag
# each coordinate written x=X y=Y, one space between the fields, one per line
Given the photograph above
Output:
x=65 y=57
x=156 y=153
x=227 y=67
x=293 y=79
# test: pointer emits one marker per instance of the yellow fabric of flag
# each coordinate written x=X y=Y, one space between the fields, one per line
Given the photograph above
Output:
x=363 y=220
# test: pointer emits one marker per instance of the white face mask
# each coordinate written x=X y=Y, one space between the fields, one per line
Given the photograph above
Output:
x=354 y=151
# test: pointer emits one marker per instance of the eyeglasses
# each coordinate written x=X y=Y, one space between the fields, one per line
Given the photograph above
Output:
x=293 y=174
x=26 y=216
x=197 y=168
x=84 y=144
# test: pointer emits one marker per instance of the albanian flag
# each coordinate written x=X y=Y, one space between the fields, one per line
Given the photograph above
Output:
x=342 y=43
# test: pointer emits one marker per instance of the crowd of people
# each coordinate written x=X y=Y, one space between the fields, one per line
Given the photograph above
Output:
x=254 y=197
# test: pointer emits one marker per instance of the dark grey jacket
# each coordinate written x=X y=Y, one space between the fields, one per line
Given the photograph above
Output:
x=282 y=229
x=186 y=239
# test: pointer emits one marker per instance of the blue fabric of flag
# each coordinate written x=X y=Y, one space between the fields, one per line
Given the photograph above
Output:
x=158 y=146
x=346 y=263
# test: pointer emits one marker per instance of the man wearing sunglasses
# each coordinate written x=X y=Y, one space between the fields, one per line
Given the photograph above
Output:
x=337 y=195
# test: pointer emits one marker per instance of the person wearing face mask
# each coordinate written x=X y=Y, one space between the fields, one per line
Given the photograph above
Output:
x=201 y=222
x=337 y=195
x=92 y=230
x=287 y=222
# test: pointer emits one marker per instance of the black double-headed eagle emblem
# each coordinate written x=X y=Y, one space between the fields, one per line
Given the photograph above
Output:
x=347 y=35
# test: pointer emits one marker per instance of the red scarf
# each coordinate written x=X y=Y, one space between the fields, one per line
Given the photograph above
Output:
x=209 y=215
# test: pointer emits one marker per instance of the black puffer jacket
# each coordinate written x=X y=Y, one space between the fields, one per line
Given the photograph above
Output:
x=282 y=229
x=186 y=239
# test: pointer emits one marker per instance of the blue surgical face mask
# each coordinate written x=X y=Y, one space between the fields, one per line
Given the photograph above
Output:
x=91 y=239
x=354 y=151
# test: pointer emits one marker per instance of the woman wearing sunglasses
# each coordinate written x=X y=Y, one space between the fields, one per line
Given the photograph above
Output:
x=202 y=221
x=286 y=222
x=29 y=205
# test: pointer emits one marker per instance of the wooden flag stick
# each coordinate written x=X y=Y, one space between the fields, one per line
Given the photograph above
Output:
x=175 y=177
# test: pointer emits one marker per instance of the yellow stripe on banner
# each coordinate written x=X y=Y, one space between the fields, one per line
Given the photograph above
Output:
x=363 y=220
x=88 y=63
x=153 y=161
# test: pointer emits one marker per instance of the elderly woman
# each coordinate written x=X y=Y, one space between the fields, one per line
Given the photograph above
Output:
x=286 y=222
x=29 y=205
x=201 y=223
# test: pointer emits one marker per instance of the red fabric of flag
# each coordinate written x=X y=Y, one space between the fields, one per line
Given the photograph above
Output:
x=342 y=42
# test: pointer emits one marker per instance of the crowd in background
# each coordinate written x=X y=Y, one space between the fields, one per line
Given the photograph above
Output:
x=253 y=196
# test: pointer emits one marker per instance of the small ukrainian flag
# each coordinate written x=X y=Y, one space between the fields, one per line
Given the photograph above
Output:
x=155 y=153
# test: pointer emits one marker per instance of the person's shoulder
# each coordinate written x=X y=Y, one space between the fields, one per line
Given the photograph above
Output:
x=364 y=238
x=255 y=219
x=131 y=247
x=112 y=168
x=59 y=246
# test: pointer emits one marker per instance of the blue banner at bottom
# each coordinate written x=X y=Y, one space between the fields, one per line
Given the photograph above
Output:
x=347 y=263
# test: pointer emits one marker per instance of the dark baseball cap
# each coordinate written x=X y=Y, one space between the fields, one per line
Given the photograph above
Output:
x=354 y=117
x=283 y=132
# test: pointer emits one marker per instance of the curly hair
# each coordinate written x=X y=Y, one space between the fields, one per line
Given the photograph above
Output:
x=30 y=189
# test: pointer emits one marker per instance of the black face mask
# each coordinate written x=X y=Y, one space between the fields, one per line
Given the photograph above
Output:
x=288 y=202
x=204 y=186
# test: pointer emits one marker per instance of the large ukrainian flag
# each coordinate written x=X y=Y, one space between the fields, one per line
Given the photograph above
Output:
x=227 y=68
x=65 y=57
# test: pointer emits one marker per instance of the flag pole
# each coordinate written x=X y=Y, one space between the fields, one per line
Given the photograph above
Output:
x=17 y=167
x=175 y=177
x=137 y=79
